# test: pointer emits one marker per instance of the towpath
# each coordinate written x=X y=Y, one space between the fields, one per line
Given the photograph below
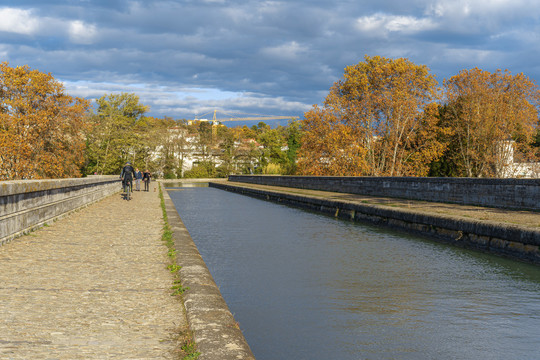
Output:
x=94 y=285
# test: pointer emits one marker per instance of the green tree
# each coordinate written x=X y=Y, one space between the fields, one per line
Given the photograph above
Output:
x=205 y=169
x=115 y=139
x=294 y=141
x=205 y=140
x=274 y=142
x=156 y=149
x=226 y=138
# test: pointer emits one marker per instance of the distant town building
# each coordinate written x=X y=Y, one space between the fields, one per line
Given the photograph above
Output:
x=513 y=168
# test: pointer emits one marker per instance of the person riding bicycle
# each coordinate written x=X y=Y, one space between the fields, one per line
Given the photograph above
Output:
x=127 y=175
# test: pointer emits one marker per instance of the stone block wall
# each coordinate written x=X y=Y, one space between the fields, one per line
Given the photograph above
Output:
x=28 y=204
x=501 y=193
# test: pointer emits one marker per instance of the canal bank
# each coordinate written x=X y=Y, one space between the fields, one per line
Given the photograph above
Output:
x=214 y=328
x=307 y=286
x=514 y=234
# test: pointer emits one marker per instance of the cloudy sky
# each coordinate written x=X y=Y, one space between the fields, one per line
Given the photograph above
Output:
x=187 y=57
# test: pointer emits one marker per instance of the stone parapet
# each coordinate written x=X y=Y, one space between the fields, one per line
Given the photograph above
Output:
x=519 y=194
x=28 y=204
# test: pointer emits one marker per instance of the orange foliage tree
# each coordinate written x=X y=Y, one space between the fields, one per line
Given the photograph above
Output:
x=330 y=146
x=374 y=122
x=40 y=126
x=492 y=115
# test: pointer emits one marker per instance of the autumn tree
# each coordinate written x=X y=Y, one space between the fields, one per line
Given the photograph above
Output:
x=40 y=126
x=114 y=139
x=373 y=122
x=492 y=115
x=330 y=146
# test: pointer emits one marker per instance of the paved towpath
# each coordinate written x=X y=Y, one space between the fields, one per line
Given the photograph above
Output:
x=94 y=285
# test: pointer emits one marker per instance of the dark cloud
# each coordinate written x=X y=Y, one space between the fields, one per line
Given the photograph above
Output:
x=273 y=57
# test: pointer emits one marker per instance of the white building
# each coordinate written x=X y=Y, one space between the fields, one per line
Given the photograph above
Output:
x=188 y=151
x=514 y=169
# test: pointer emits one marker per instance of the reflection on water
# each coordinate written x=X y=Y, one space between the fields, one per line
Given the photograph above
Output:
x=182 y=184
x=307 y=286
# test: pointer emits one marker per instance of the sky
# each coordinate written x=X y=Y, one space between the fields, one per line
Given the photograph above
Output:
x=187 y=58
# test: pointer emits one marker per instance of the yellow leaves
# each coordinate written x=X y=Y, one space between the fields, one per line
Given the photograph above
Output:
x=369 y=121
x=485 y=110
x=384 y=118
x=329 y=147
x=41 y=126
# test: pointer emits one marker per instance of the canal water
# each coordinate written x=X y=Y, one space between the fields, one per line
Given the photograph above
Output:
x=308 y=286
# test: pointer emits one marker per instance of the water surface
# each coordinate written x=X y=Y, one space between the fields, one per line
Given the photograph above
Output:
x=308 y=286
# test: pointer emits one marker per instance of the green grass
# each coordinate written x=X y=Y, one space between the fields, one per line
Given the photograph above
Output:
x=189 y=348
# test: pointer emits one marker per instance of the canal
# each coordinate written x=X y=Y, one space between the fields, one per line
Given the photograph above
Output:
x=308 y=286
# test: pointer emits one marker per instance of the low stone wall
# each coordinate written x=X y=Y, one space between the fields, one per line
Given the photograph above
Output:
x=509 y=240
x=28 y=204
x=502 y=193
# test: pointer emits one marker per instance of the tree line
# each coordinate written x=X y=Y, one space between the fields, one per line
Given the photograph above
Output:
x=120 y=132
x=385 y=117
x=46 y=133
x=390 y=117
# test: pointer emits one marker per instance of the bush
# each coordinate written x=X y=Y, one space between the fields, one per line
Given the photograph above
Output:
x=272 y=169
x=169 y=175
x=196 y=172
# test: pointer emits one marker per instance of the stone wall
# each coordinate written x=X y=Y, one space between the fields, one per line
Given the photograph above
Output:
x=28 y=204
x=502 y=193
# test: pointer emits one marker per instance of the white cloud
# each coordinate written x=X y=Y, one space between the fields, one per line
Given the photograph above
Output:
x=81 y=33
x=370 y=23
x=409 y=24
x=288 y=51
x=383 y=24
x=18 y=21
x=488 y=9
x=189 y=102
x=25 y=22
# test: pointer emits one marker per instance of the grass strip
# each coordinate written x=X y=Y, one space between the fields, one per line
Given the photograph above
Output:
x=189 y=348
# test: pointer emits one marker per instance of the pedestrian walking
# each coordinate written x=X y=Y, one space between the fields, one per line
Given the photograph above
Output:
x=138 y=178
x=146 y=180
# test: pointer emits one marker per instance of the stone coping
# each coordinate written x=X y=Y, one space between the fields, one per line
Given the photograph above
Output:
x=520 y=194
x=216 y=333
x=13 y=187
x=26 y=205
x=404 y=179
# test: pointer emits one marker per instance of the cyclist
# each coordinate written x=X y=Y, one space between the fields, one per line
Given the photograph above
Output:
x=127 y=175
